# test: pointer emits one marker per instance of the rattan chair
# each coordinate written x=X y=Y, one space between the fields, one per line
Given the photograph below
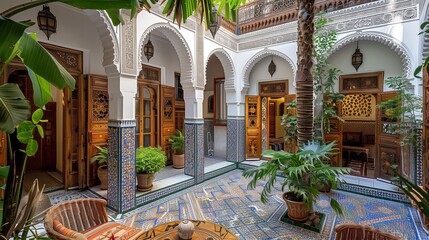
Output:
x=351 y=231
x=76 y=215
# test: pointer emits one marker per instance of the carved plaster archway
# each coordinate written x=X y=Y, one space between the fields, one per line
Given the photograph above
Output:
x=179 y=44
x=389 y=41
x=228 y=67
x=256 y=58
x=108 y=39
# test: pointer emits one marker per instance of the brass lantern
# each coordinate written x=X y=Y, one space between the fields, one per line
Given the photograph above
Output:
x=215 y=21
x=148 y=49
x=272 y=67
x=357 y=58
x=47 y=21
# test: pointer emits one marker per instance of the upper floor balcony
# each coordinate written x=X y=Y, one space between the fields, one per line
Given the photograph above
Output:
x=267 y=13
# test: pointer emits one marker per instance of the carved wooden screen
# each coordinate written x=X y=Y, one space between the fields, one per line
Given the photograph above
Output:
x=98 y=117
x=253 y=127
x=425 y=140
x=388 y=147
x=167 y=118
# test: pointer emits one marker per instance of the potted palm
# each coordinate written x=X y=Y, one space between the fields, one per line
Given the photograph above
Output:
x=101 y=159
x=300 y=173
x=149 y=160
x=177 y=141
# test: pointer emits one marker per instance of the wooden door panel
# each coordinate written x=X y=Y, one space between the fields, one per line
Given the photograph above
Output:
x=387 y=145
x=167 y=114
x=98 y=117
x=253 y=127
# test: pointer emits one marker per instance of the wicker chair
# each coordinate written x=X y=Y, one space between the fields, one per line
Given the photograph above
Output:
x=82 y=219
x=351 y=231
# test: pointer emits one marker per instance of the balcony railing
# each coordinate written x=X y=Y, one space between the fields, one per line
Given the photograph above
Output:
x=266 y=13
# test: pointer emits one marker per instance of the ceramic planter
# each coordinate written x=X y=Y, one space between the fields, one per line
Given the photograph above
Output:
x=145 y=181
x=297 y=210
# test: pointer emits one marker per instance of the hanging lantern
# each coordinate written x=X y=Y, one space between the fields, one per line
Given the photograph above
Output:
x=357 y=58
x=272 y=67
x=215 y=21
x=47 y=21
x=148 y=49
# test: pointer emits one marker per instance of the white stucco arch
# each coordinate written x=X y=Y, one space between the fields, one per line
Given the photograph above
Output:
x=382 y=38
x=179 y=44
x=227 y=64
x=108 y=38
x=256 y=58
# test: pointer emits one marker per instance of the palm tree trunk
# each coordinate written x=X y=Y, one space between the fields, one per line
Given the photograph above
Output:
x=304 y=78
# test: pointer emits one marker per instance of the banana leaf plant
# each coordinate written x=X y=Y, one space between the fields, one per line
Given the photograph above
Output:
x=43 y=71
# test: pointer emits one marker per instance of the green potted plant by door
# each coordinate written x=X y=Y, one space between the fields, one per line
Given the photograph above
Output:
x=177 y=141
x=149 y=160
x=300 y=173
x=101 y=159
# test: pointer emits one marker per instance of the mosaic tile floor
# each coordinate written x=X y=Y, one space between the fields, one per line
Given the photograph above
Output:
x=226 y=200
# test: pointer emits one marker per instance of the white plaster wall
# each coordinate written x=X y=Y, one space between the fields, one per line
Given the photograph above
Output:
x=390 y=62
x=164 y=57
x=214 y=70
x=219 y=141
x=260 y=73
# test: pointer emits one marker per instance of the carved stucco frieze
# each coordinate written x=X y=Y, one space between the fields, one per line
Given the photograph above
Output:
x=112 y=35
x=128 y=37
x=383 y=12
x=268 y=41
x=379 y=19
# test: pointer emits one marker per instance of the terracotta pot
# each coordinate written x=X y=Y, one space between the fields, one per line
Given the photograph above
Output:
x=145 y=181
x=297 y=209
x=102 y=175
x=179 y=161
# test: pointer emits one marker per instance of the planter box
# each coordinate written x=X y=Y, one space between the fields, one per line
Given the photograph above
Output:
x=318 y=228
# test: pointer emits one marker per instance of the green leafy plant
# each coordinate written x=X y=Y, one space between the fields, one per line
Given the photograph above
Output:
x=289 y=123
x=300 y=172
x=177 y=141
x=403 y=109
x=101 y=157
x=150 y=159
x=324 y=77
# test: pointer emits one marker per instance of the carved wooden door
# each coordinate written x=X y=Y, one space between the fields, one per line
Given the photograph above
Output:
x=146 y=115
x=74 y=116
x=388 y=146
x=167 y=118
x=253 y=127
x=98 y=117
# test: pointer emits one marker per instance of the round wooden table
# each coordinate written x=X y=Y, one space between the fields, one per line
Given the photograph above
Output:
x=204 y=230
